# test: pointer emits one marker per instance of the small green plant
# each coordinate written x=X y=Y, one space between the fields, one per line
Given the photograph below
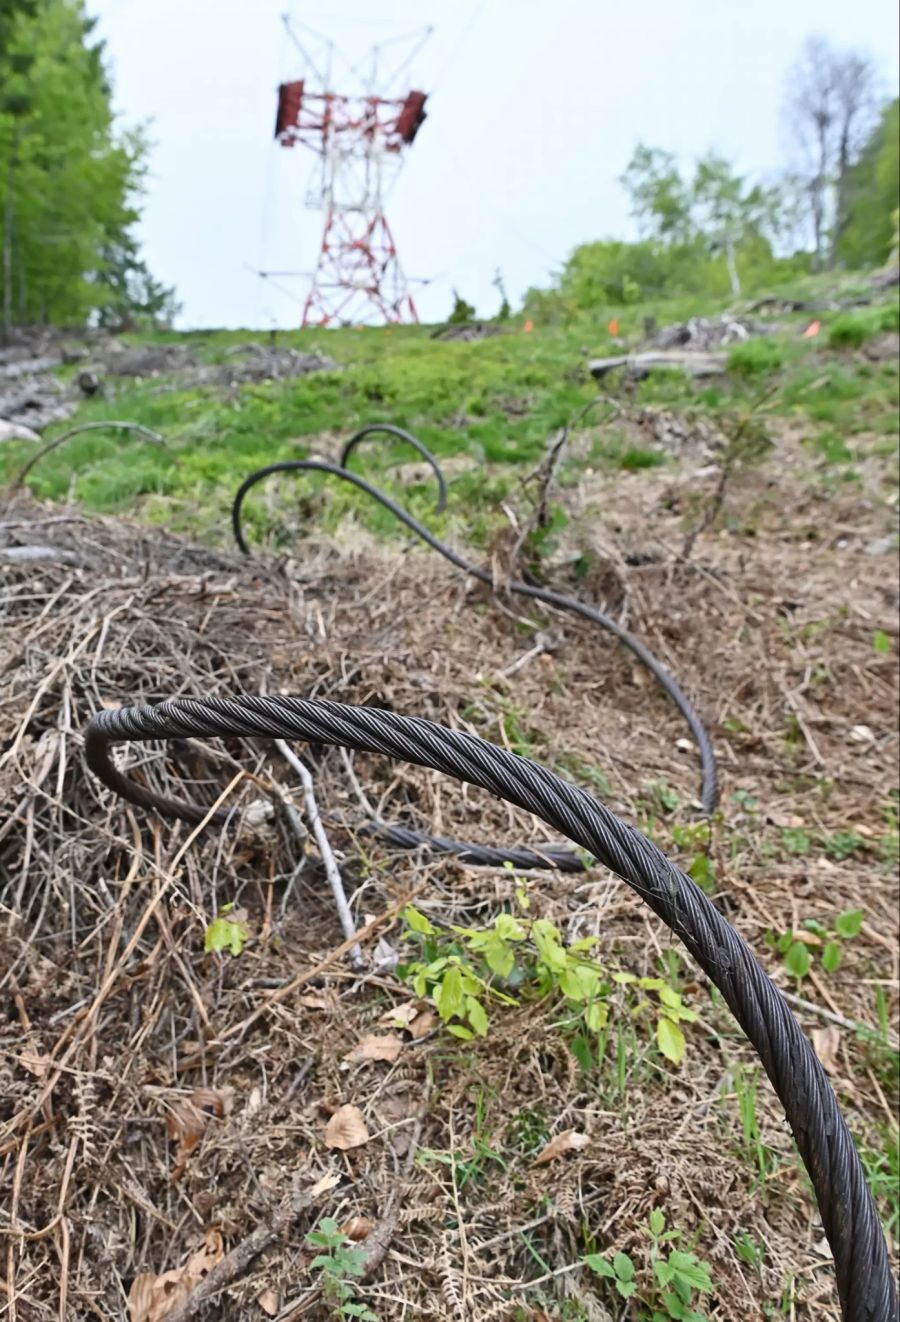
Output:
x=797 y=947
x=883 y=1174
x=466 y=970
x=666 y=1011
x=756 y=358
x=620 y=1271
x=889 y=843
x=694 y=838
x=338 y=1263
x=676 y=1276
x=749 y=1250
x=881 y=642
x=796 y=840
x=842 y=844
x=852 y=329
x=753 y=1148
x=227 y=931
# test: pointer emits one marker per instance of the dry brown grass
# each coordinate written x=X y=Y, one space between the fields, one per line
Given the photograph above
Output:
x=156 y=1098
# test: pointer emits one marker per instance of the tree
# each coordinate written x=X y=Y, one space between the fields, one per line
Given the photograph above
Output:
x=462 y=311
x=130 y=292
x=873 y=194
x=729 y=214
x=659 y=197
x=500 y=286
x=830 y=103
x=68 y=183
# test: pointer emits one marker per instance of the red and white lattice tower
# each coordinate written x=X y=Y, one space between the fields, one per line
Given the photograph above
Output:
x=360 y=140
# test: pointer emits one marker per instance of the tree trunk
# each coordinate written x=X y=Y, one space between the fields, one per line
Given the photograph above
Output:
x=818 y=188
x=23 y=295
x=843 y=180
x=732 y=268
x=8 y=223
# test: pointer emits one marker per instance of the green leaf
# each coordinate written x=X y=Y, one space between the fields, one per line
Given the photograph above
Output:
x=657 y=1221
x=583 y=945
x=596 y=1016
x=225 y=934
x=831 y=957
x=702 y=871
x=417 y=922
x=623 y=1267
x=691 y=1270
x=849 y=923
x=583 y=1052
x=670 y=1040
x=797 y=961
x=460 y=1031
x=508 y=928
x=881 y=642
x=500 y=958
x=669 y=996
x=663 y=1272
x=448 y=994
x=674 y=1306
x=550 y=949
x=598 y=1264
x=626 y=1288
x=476 y=1015
x=326 y=1234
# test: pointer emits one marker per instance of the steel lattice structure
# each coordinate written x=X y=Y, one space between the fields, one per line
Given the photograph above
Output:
x=361 y=140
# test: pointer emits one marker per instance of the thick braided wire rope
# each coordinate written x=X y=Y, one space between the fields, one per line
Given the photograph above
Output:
x=407 y=437
x=146 y=433
x=862 y=1268
x=523 y=860
x=709 y=777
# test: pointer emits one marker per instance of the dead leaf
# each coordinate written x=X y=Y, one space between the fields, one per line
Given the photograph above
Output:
x=827 y=1043
x=322 y=1186
x=570 y=1140
x=357 y=1228
x=424 y=1023
x=346 y=1129
x=268 y=1302
x=416 y=1017
x=188 y=1117
x=315 y=1001
x=34 y=1063
x=400 y=1016
x=153 y=1298
x=376 y=1048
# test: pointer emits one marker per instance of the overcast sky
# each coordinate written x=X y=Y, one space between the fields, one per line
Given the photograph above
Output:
x=535 y=109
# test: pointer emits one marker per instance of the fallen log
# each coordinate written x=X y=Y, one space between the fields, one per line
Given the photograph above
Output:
x=55 y=554
x=639 y=364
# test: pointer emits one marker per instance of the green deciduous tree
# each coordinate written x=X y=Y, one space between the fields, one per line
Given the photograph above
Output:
x=69 y=183
x=731 y=215
x=873 y=195
x=659 y=196
x=830 y=104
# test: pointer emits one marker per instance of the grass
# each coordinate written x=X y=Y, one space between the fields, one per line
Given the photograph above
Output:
x=494 y=402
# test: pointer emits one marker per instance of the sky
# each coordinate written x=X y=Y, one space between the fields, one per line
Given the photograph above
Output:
x=534 y=111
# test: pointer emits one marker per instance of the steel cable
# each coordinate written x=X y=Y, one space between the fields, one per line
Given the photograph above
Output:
x=407 y=437
x=147 y=434
x=709 y=778
x=862 y=1267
